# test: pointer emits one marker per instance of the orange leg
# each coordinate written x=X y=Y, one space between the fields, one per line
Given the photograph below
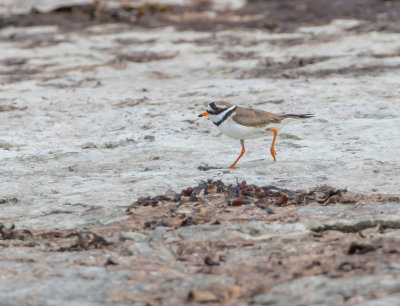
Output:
x=241 y=154
x=273 y=153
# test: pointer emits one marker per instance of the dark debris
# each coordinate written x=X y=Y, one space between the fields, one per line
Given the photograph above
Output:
x=53 y=240
x=142 y=57
x=244 y=194
x=276 y=15
x=11 y=233
x=360 y=248
x=214 y=202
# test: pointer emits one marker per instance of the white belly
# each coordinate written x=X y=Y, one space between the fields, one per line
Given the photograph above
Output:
x=231 y=129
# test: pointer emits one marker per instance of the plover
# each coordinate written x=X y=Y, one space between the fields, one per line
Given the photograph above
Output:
x=246 y=123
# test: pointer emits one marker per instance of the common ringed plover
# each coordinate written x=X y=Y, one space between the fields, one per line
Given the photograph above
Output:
x=245 y=123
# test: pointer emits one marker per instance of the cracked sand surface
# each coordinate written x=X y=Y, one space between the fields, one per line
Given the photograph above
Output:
x=98 y=117
x=95 y=116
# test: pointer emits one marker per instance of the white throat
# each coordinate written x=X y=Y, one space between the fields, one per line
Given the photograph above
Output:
x=218 y=119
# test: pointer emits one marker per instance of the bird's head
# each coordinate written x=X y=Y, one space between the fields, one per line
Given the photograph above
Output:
x=218 y=111
x=214 y=109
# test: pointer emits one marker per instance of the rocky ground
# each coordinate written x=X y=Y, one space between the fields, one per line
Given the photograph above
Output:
x=113 y=192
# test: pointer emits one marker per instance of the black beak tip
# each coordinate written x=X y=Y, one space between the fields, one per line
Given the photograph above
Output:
x=200 y=115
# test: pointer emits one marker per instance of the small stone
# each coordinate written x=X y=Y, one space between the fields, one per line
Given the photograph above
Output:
x=270 y=211
x=132 y=236
x=110 y=262
x=210 y=262
x=89 y=145
x=149 y=138
x=172 y=222
x=200 y=296
x=153 y=249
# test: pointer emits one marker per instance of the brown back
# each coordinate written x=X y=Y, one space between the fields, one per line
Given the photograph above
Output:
x=252 y=117
x=255 y=117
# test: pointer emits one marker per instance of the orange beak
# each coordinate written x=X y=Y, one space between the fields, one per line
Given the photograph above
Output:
x=203 y=114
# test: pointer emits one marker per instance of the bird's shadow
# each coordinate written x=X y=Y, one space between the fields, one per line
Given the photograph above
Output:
x=207 y=167
x=247 y=165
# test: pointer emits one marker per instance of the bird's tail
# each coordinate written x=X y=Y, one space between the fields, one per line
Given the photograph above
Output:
x=298 y=116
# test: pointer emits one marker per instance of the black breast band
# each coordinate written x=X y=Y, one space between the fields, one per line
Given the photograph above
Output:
x=226 y=116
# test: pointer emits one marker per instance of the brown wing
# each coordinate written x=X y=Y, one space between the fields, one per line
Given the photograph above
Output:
x=255 y=117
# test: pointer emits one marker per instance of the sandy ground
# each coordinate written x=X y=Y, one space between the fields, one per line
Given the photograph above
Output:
x=93 y=119
x=98 y=114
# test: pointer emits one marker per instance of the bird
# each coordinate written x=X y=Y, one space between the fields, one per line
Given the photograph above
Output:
x=246 y=123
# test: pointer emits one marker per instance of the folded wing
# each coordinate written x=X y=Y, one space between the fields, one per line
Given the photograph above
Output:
x=255 y=117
